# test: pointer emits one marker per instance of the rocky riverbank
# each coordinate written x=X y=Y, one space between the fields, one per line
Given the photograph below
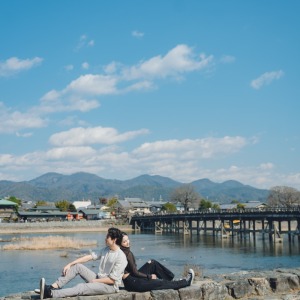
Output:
x=279 y=284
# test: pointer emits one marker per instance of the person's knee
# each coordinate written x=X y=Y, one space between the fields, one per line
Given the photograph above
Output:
x=77 y=266
x=152 y=261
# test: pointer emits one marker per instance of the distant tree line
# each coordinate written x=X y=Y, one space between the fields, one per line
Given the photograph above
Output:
x=282 y=196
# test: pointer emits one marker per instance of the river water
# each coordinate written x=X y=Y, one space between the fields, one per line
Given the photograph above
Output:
x=21 y=270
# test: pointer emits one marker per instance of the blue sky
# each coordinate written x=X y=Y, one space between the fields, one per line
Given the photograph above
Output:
x=183 y=89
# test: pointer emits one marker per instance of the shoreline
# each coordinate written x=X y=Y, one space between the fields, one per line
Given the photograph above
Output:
x=62 y=227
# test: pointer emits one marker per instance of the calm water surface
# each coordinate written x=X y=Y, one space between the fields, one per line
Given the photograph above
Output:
x=22 y=270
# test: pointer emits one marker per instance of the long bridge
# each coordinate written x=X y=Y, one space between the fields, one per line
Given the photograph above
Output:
x=273 y=222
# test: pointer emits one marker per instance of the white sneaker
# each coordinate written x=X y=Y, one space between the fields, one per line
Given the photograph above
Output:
x=37 y=291
x=190 y=277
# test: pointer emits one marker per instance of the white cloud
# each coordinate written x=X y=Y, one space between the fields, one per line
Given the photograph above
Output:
x=15 y=65
x=25 y=135
x=93 y=85
x=181 y=160
x=181 y=59
x=84 y=42
x=266 y=166
x=141 y=85
x=82 y=93
x=137 y=34
x=69 y=153
x=12 y=121
x=111 y=67
x=121 y=79
x=93 y=135
x=91 y=43
x=266 y=78
x=55 y=101
x=193 y=149
x=85 y=65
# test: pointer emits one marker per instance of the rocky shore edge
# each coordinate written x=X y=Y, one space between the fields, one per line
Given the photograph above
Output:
x=279 y=284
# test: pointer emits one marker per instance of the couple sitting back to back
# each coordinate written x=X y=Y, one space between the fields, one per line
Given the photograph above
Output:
x=117 y=262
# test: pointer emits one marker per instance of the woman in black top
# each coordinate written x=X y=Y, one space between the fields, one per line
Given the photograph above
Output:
x=151 y=276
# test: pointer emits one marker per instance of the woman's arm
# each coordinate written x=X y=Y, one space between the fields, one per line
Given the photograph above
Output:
x=132 y=269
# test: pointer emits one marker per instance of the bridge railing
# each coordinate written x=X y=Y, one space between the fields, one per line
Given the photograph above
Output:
x=271 y=210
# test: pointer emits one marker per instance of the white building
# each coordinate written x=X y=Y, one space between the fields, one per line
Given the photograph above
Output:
x=82 y=204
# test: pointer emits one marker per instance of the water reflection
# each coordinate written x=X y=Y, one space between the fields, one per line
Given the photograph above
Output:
x=211 y=253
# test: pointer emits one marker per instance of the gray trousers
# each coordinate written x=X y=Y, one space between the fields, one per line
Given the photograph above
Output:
x=87 y=288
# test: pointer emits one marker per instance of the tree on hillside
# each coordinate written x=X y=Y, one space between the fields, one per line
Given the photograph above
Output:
x=112 y=203
x=284 y=196
x=187 y=196
x=65 y=205
x=169 y=207
x=41 y=203
x=15 y=200
x=205 y=204
x=103 y=200
x=240 y=206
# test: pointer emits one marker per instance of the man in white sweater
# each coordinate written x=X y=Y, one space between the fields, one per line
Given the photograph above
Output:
x=111 y=268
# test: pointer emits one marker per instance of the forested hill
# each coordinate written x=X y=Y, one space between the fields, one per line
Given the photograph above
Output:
x=55 y=187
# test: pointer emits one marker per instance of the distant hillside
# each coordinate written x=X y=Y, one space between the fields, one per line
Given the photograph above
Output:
x=55 y=187
x=227 y=191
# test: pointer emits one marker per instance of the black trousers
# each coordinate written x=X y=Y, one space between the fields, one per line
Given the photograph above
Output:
x=135 y=284
x=154 y=267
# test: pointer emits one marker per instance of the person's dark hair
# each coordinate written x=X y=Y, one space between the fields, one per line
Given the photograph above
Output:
x=115 y=234
x=121 y=238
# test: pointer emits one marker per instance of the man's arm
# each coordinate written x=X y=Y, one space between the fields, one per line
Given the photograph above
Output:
x=79 y=260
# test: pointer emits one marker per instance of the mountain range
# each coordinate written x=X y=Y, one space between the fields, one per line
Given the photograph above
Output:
x=54 y=187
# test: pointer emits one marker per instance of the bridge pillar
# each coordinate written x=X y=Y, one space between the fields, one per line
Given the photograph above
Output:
x=136 y=227
x=158 y=227
x=241 y=229
x=198 y=227
x=191 y=226
x=270 y=229
x=277 y=235
x=263 y=229
x=186 y=228
x=298 y=229
x=224 y=233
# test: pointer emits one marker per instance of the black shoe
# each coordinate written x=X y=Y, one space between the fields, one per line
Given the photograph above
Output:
x=38 y=291
x=190 y=277
x=45 y=290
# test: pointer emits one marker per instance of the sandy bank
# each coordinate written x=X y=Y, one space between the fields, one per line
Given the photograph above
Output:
x=56 y=227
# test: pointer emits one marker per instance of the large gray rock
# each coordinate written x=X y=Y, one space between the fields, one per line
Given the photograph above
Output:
x=165 y=295
x=214 y=291
x=192 y=292
x=240 y=289
x=261 y=286
x=283 y=282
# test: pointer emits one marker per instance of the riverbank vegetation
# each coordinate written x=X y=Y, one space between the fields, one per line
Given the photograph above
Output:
x=47 y=242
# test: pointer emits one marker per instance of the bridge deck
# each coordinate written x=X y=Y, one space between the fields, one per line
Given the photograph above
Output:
x=274 y=222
